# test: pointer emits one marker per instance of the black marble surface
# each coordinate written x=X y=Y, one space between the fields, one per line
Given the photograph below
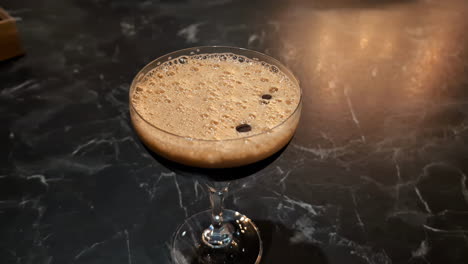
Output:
x=377 y=172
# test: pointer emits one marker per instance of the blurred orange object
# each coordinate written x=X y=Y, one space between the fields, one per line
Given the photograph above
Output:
x=10 y=45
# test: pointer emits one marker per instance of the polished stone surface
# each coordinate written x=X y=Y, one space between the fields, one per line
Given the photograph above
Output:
x=377 y=172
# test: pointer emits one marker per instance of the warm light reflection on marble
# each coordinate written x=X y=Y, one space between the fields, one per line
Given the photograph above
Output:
x=363 y=59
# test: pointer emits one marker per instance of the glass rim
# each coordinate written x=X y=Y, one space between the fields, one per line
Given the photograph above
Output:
x=170 y=54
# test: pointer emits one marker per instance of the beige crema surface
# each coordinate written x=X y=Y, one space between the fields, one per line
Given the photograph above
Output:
x=215 y=110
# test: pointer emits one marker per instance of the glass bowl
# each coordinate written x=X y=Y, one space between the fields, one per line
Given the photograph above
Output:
x=224 y=153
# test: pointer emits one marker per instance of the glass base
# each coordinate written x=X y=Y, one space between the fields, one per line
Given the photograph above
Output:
x=188 y=246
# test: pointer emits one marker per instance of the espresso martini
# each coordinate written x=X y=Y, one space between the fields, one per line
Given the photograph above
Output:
x=216 y=110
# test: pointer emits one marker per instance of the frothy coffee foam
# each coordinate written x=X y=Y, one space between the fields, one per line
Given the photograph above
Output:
x=215 y=96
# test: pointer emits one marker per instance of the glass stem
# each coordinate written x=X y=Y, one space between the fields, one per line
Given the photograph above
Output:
x=219 y=233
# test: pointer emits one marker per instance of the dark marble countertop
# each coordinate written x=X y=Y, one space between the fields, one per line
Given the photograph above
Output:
x=377 y=171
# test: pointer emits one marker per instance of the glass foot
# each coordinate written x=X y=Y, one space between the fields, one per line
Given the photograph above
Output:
x=188 y=246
